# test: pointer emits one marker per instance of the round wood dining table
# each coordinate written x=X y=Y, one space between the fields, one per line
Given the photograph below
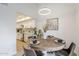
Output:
x=48 y=45
x=43 y=45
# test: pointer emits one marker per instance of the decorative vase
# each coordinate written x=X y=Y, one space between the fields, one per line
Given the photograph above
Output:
x=45 y=36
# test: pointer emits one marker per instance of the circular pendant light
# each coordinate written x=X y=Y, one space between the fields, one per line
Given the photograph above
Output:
x=44 y=11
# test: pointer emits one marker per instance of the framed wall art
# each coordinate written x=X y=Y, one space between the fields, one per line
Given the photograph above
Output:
x=52 y=24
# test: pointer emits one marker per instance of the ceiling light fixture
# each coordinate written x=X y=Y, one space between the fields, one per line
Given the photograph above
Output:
x=23 y=19
x=45 y=11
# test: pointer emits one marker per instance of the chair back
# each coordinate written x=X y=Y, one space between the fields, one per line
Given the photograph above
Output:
x=29 y=52
x=72 y=48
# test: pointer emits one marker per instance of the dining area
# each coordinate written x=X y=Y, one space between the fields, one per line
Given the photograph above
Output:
x=51 y=46
x=45 y=35
x=44 y=41
x=39 y=29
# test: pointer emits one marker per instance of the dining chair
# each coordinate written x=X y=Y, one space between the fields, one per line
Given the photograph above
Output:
x=67 y=52
x=39 y=53
x=29 y=52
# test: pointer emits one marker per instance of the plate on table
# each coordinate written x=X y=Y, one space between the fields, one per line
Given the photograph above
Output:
x=35 y=43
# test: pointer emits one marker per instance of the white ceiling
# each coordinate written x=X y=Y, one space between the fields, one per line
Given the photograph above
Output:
x=19 y=15
x=24 y=10
x=29 y=9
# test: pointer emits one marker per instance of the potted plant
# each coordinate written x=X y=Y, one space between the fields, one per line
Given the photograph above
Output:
x=38 y=33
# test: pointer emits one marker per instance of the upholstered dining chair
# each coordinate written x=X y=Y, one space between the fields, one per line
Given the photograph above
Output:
x=29 y=52
x=67 y=52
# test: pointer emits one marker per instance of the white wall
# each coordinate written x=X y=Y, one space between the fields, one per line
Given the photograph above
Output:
x=77 y=29
x=7 y=31
x=65 y=13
